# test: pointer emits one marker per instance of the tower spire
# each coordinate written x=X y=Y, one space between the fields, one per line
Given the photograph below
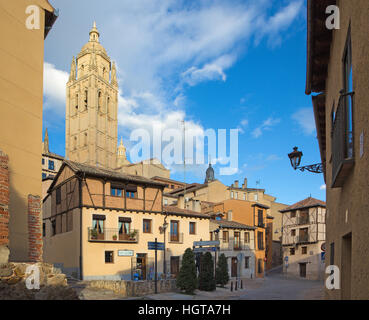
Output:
x=94 y=34
x=46 y=142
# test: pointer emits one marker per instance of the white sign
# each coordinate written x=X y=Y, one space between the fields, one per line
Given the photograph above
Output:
x=206 y=243
x=125 y=253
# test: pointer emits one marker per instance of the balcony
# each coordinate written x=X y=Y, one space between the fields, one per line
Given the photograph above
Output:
x=303 y=238
x=342 y=141
x=303 y=220
x=175 y=237
x=112 y=235
x=232 y=245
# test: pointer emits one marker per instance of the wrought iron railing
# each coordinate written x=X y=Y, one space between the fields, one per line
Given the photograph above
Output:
x=342 y=134
x=303 y=238
x=112 y=234
x=175 y=237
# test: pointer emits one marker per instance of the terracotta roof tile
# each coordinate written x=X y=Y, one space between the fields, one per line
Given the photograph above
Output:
x=306 y=203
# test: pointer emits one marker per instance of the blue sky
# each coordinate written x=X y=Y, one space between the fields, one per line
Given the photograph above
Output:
x=214 y=64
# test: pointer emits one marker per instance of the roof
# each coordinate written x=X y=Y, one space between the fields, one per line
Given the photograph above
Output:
x=169 y=180
x=306 y=203
x=105 y=173
x=189 y=188
x=245 y=189
x=319 y=39
x=232 y=224
x=184 y=212
x=53 y=155
x=260 y=205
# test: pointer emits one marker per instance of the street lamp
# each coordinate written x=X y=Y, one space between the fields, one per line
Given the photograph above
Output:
x=295 y=158
x=215 y=260
x=164 y=227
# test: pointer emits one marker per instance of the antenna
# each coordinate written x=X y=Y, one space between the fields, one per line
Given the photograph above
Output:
x=184 y=163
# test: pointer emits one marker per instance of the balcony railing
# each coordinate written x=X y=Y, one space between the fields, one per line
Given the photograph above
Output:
x=112 y=235
x=302 y=238
x=175 y=237
x=233 y=245
x=303 y=220
x=342 y=141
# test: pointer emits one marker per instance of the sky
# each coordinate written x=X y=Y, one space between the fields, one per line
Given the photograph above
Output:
x=214 y=64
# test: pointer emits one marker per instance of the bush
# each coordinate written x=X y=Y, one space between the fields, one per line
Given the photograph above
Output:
x=187 y=277
x=221 y=272
x=206 y=276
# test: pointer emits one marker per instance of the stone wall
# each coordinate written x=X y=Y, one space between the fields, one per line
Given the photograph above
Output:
x=53 y=284
x=134 y=288
x=4 y=199
x=34 y=229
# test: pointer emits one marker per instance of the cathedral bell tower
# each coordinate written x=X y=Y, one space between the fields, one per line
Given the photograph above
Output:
x=92 y=107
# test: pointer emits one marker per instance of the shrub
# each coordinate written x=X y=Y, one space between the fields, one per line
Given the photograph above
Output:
x=187 y=277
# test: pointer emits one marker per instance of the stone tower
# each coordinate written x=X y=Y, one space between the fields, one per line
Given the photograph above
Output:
x=92 y=106
x=122 y=156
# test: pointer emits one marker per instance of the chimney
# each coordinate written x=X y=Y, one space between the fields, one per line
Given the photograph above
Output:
x=236 y=184
x=244 y=186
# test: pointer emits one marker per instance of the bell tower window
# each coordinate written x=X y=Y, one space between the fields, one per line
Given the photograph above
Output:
x=76 y=107
x=86 y=99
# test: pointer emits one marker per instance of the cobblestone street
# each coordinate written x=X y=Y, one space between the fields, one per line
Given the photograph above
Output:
x=273 y=287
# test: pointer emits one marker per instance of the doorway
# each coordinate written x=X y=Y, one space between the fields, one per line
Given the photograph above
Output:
x=174 y=266
x=141 y=263
x=302 y=270
x=234 y=267
x=346 y=267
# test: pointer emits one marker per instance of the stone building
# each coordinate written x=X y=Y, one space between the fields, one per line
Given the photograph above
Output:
x=303 y=239
x=98 y=222
x=21 y=89
x=92 y=107
x=237 y=243
x=338 y=76
x=51 y=162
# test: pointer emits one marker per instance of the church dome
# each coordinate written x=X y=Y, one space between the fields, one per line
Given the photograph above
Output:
x=209 y=174
x=93 y=45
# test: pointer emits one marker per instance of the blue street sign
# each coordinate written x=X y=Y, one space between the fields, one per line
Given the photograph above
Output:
x=322 y=255
x=286 y=258
x=157 y=246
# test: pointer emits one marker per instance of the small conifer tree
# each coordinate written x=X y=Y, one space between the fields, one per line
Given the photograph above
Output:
x=206 y=276
x=187 y=277
x=221 y=272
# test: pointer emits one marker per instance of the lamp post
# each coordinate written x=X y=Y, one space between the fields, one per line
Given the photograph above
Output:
x=295 y=158
x=165 y=225
x=215 y=260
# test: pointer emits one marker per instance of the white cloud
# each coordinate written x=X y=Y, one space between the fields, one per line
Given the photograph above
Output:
x=305 y=118
x=265 y=126
x=323 y=187
x=54 y=87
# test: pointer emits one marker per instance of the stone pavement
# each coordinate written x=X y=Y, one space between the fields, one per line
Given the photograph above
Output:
x=272 y=287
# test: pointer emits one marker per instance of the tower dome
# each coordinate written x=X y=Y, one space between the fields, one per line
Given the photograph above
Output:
x=209 y=174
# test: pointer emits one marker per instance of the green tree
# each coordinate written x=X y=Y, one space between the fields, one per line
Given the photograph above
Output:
x=187 y=277
x=206 y=276
x=221 y=272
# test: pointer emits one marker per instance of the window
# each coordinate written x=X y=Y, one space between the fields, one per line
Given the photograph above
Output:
x=43 y=160
x=237 y=240
x=260 y=265
x=98 y=225
x=109 y=257
x=76 y=107
x=53 y=227
x=165 y=202
x=174 y=230
x=116 y=192
x=58 y=195
x=256 y=197
x=225 y=236
x=247 y=237
x=192 y=228
x=293 y=214
x=75 y=143
x=130 y=194
x=86 y=99
x=211 y=236
x=51 y=165
x=244 y=196
x=292 y=251
x=236 y=195
x=124 y=226
x=260 y=240
x=85 y=140
x=232 y=194
x=146 y=226
x=43 y=176
x=43 y=229
x=247 y=262
x=260 y=218
x=303 y=250
x=293 y=232
x=99 y=100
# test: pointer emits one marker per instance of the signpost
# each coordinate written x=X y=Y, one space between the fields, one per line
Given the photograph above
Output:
x=207 y=246
x=156 y=246
x=206 y=249
x=206 y=243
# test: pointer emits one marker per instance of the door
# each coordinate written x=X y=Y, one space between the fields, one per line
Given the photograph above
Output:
x=174 y=235
x=141 y=265
x=174 y=266
x=346 y=267
x=234 y=267
x=302 y=270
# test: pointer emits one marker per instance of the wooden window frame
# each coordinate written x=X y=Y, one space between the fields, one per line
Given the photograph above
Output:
x=144 y=230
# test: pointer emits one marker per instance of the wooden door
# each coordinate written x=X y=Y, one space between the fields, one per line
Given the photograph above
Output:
x=141 y=265
x=303 y=270
x=234 y=267
x=174 y=266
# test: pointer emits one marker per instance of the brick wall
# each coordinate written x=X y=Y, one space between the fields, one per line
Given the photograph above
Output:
x=4 y=199
x=34 y=228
